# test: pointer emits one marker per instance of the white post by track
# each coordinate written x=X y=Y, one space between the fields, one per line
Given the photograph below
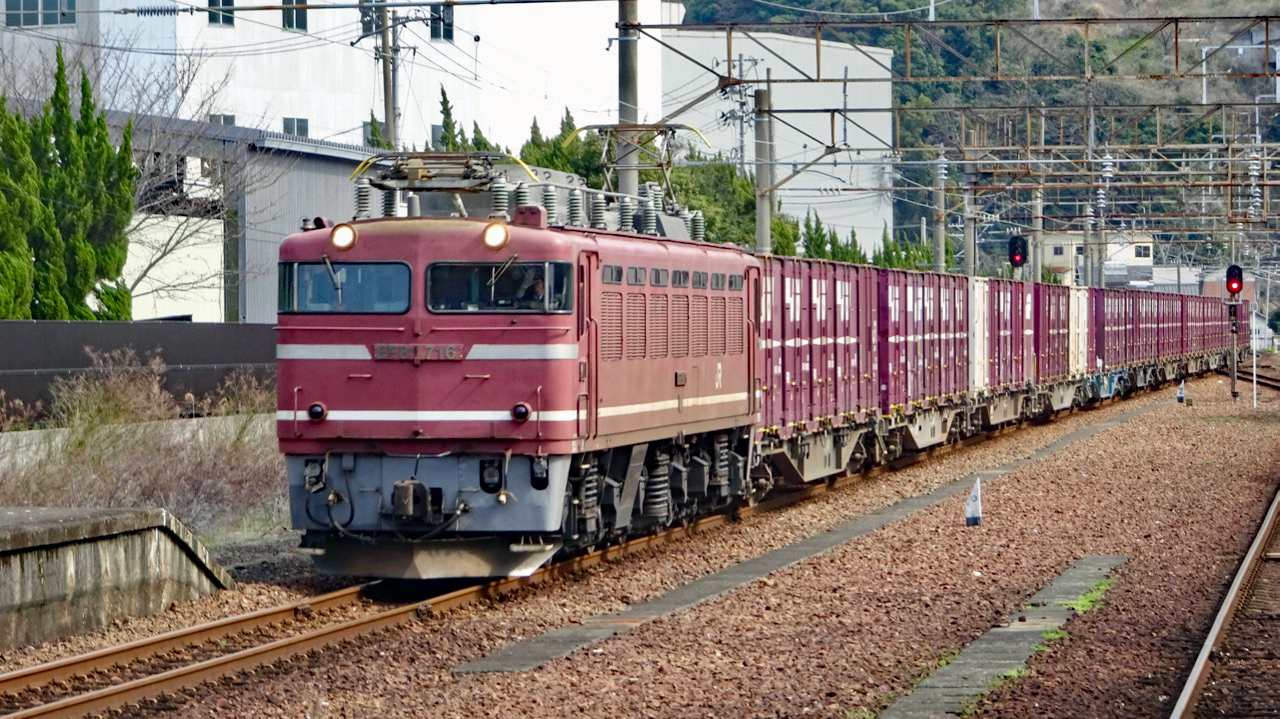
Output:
x=973 y=505
x=1182 y=391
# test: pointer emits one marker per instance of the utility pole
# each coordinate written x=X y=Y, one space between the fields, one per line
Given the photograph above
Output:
x=628 y=96
x=1037 y=233
x=388 y=79
x=1087 y=247
x=764 y=198
x=940 y=216
x=969 y=177
x=742 y=127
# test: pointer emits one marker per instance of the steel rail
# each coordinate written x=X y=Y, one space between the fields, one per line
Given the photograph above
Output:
x=43 y=674
x=1245 y=375
x=1233 y=601
x=230 y=664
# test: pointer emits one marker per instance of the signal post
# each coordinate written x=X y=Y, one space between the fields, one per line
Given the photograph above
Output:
x=1235 y=284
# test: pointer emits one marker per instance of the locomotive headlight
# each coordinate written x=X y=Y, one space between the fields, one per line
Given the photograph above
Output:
x=317 y=412
x=495 y=236
x=520 y=412
x=343 y=236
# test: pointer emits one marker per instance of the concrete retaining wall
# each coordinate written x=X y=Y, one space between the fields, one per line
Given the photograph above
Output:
x=64 y=571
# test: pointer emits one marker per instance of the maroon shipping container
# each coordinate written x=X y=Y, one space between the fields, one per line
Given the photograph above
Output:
x=1169 y=339
x=1112 y=325
x=1052 y=351
x=923 y=332
x=1011 y=333
x=955 y=334
x=1146 y=325
x=818 y=334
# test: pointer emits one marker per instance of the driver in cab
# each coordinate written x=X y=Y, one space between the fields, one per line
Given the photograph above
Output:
x=533 y=295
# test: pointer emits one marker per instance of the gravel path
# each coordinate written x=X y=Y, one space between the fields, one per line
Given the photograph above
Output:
x=840 y=635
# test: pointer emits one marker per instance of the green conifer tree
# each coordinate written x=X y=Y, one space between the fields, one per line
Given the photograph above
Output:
x=19 y=218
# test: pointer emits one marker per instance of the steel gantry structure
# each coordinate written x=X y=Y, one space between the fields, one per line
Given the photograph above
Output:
x=1173 y=162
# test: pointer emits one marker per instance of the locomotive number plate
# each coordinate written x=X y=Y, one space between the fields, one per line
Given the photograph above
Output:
x=420 y=353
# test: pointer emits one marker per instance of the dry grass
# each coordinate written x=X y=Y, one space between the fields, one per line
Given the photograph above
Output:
x=17 y=415
x=217 y=474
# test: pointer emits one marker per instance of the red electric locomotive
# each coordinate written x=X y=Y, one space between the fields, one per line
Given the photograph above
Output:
x=466 y=397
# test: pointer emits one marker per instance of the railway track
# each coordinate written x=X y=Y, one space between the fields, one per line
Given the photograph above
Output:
x=1264 y=380
x=145 y=670
x=1237 y=673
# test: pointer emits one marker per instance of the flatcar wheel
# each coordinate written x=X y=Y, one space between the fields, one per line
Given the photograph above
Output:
x=761 y=484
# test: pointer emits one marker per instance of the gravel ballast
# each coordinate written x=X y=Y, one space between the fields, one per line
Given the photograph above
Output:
x=1179 y=490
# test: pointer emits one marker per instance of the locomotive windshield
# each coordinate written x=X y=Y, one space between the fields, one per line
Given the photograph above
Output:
x=344 y=287
x=535 y=287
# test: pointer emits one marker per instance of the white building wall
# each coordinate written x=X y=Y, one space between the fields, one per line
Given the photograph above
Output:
x=844 y=188
x=530 y=61
x=186 y=281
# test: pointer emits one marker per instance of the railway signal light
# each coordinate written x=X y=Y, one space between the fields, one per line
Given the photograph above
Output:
x=1235 y=279
x=1018 y=251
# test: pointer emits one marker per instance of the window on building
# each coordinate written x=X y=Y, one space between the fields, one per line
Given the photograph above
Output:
x=1142 y=250
x=1080 y=249
x=219 y=119
x=442 y=23
x=1057 y=250
x=33 y=13
x=220 y=12
x=295 y=126
x=295 y=18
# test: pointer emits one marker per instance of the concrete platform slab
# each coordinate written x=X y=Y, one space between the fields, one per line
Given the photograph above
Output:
x=64 y=571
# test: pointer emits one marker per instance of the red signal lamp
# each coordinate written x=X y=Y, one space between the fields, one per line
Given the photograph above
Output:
x=1017 y=251
x=1235 y=279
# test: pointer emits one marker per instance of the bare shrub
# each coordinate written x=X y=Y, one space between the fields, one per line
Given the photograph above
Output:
x=119 y=387
x=214 y=474
x=18 y=415
x=243 y=392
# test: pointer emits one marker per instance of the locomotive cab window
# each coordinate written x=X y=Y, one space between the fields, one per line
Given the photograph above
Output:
x=344 y=287
x=527 y=287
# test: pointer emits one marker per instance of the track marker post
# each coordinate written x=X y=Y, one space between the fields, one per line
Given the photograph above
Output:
x=973 y=505
x=1182 y=391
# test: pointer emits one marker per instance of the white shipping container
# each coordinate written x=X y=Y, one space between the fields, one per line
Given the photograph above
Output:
x=1078 y=328
x=979 y=338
